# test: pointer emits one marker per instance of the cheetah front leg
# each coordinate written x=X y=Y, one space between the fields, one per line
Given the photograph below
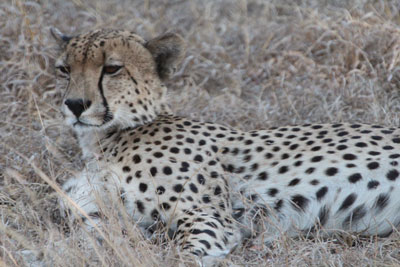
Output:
x=86 y=194
x=206 y=236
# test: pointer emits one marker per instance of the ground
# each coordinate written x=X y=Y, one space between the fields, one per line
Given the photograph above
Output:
x=249 y=64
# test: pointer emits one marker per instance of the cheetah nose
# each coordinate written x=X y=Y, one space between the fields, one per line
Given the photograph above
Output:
x=77 y=106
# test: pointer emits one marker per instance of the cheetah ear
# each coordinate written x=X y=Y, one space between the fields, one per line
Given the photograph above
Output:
x=167 y=50
x=61 y=38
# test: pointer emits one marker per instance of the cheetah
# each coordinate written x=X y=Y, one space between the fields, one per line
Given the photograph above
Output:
x=214 y=185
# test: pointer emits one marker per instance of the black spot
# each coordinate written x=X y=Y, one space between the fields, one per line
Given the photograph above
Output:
x=365 y=131
x=299 y=202
x=165 y=206
x=298 y=163
x=160 y=190
x=136 y=159
x=153 y=171
x=392 y=175
x=217 y=190
x=128 y=179
x=373 y=184
x=206 y=243
x=190 y=140
x=376 y=137
x=158 y=154
x=374 y=153
x=357 y=214
x=214 y=148
x=174 y=150
x=143 y=187
x=373 y=165
x=317 y=159
x=272 y=192
x=349 y=200
x=166 y=130
x=381 y=201
x=314 y=182
x=341 y=147
x=310 y=170
x=126 y=169
x=316 y=148
x=343 y=133
x=285 y=156
x=138 y=174
x=140 y=206
x=184 y=167
x=294 y=182
x=321 y=192
x=214 y=174
x=354 y=178
x=198 y=158
x=155 y=214
x=248 y=142
x=388 y=147
x=394 y=156
x=349 y=157
x=283 y=169
x=206 y=199
x=268 y=155
x=361 y=144
x=293 y=147
x=167 y=170
x=298 y=156
x=193 y=187
x=95 y=214
x=262 y=176
x=309 y=143
x=278 y=205
x=218 y=246
x=260 y=149
x=323 y=215
x=331 y=171
x=178 y=188
x=200 y=179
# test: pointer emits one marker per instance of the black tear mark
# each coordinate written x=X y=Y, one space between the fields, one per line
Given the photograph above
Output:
x=107 y=114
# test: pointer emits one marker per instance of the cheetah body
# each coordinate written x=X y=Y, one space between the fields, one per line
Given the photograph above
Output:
x=211 y=184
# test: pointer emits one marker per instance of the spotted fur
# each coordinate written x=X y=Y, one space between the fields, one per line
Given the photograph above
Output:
x=214 y=185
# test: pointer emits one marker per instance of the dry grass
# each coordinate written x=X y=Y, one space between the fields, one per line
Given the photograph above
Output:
x=250 y=64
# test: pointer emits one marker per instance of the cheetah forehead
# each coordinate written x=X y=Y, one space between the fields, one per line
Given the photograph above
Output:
x=94 y=44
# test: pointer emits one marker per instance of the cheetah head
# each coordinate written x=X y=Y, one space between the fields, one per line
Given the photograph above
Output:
x=113 y=78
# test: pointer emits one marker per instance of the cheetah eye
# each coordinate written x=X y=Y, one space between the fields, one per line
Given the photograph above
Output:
x=64 y=69
x=112 y=69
